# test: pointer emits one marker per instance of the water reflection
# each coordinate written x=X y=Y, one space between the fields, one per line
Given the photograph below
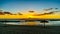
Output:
x=22 y=23
x=51 y=23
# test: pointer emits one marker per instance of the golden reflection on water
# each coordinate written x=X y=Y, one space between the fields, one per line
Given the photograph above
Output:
x=30 y=23
x=23 y=23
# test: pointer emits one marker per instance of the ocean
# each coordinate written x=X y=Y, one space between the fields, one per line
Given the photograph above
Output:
x=53 y=27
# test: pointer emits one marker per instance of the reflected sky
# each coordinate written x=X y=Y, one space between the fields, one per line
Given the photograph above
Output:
x=51 y=23
x=26 y=5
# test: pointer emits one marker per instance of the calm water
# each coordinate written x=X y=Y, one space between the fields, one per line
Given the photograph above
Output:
x=51 y=23
x=53 y=27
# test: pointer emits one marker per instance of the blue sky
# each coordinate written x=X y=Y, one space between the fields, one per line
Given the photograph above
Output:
x=26 y=5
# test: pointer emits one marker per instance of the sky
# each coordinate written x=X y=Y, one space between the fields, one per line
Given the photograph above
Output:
x=26 y=5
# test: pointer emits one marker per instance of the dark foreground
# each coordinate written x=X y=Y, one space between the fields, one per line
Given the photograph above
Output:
x=17 y=29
